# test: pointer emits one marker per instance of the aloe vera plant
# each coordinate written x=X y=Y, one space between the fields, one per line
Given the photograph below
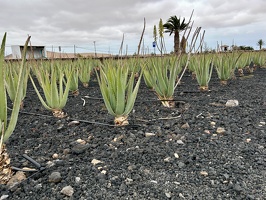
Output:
x=161 y=73
x=259 y=58
x=52 y=84
x=72 y=76
x=202 y=65
x=7 y=126
x=225 y=65
x=12 y=81
x=85 y=67
x=118 y=90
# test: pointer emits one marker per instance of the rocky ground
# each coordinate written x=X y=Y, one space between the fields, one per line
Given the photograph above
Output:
x=201 y=149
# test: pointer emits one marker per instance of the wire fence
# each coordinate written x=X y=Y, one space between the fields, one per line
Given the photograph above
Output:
x=92 y=49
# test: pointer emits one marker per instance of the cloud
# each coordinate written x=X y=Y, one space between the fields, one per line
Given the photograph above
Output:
x=80 y=22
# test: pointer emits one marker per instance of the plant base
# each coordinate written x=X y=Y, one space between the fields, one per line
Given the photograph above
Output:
x=121 y=121
x=204 y=88
x=86 y=85
x=5 y=168
x=240 y=72
x=223 y=82
x=59 y=114
x=75 y=93
x=169 y=103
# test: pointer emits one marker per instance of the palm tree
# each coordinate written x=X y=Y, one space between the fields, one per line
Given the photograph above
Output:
x=260 y=43
x=174 y=25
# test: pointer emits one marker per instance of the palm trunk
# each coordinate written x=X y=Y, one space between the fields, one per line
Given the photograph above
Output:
x=176 y=41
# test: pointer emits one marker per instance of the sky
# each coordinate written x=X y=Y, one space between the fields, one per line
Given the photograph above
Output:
x=89 y=25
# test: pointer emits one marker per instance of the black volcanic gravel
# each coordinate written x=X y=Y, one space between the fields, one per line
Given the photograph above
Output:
x=165 y=153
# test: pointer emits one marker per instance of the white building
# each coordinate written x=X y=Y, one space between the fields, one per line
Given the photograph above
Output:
x=33 y=52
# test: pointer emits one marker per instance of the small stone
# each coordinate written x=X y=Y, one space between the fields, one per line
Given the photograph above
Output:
x=176 y=155
x=204 y=173
x=95 y=161
x=248 y=140
x=3 y=197
x=153 y=181
x=118 y=138
x=179 y=142
x=50 y=164
x=251 y=197
x=212 y=123
x=55 y=177
x=80 y=141
x=60 y=126
x=66 y=151
x=103 y=171
x=38 y=186
x=68 y=191
x=55 y=156
x=77 y=179
x=185 y=126
x=79 y=148
x=214 y=136
x=262 y=123
x=129 y=181
x=220 y=130
x=232 y=103
x=149 y=134
x=181 y=164
x=17 y=178
x=168 y=195
x=167 y=159
x=226 y=176
x=237 y=188
x=207 y=132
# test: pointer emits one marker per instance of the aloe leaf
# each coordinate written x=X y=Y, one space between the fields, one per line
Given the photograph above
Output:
x=39 y=95
x=3 y=98
x=19 y=94
x=132 y=97
x=120 y=91
x=54 y=91
x=104 y=91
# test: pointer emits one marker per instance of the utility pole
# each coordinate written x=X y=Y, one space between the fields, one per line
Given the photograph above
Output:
x=95 y=54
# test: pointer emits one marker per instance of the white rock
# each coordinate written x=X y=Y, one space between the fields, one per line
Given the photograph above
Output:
x=77 y=179
x=149 y=134
x=167 y=159
x=5 y=196
x=213 y=123
x=168 y=195
x=181 y=195
x=179 y=142
x=220 y=130
x=80 y=141
x=68 y=191
x=232 y=103
x=50 y=164
x=95 y=161
x=204 y=173
x=176 y=155
x=55 y=156
x=185 y=126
